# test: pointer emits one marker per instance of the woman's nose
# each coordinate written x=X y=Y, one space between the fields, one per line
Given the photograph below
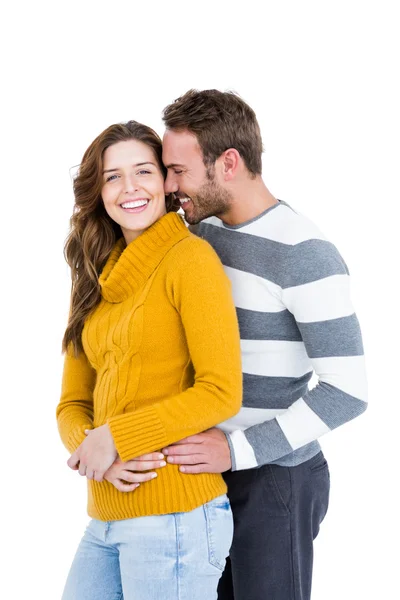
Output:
x=130 y=185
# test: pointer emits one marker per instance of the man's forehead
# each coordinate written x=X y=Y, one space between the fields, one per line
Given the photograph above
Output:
x=180 y=141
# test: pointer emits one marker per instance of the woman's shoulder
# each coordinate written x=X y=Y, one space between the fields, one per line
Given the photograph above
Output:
x=193 y=249
x=190 y=257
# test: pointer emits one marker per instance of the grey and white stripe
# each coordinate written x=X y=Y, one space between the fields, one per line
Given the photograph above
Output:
x=291 y=290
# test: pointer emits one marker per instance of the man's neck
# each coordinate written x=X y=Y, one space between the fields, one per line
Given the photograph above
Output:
x=249 y=203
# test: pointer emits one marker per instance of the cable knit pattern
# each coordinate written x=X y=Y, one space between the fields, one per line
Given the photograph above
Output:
x=161 y=362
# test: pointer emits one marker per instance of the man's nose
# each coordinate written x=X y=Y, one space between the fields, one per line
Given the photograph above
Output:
x=170 y=185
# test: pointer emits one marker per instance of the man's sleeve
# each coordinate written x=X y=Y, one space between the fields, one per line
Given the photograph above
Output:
x=316 y=291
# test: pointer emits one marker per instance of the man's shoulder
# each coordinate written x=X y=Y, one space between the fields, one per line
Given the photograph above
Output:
x=281 y=224
x=312 y=256
x=202 y=226
x=283 y=246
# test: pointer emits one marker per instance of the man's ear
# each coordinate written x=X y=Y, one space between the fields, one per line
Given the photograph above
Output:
x=230 y=160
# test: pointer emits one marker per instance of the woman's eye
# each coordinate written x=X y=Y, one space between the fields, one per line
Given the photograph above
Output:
x=111 y=177
x=144 y=172
x=178 y=172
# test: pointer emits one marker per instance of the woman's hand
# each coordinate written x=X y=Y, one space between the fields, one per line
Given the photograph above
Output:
x=96 y=453
x=124 y=477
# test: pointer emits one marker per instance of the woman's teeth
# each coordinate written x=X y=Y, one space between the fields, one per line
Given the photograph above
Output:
x=134 y=204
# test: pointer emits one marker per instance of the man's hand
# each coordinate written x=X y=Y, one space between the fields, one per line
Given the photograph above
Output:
x=124 y=475
x=206 y=452
x=96 y=453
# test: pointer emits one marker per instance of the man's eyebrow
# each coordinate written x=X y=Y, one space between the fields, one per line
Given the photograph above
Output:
x=135 y=165
x=173 y=165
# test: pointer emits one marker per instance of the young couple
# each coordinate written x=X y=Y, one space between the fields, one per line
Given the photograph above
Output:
x=157 y=361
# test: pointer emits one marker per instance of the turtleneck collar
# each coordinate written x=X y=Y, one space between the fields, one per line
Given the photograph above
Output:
x=129 y=266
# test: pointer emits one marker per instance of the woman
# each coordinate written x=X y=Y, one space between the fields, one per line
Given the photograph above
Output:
x=152 y=356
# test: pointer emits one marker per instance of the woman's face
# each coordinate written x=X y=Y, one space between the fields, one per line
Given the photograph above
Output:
x=133 y=187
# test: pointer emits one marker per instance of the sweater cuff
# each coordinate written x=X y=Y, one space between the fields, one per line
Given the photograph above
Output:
x=77 y=436
x=232 y=451
x=137 y=433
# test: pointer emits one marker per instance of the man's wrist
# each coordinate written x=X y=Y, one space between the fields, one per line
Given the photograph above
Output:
x=231 y=450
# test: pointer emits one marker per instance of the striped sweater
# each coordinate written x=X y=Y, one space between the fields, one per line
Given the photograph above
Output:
x=291 y=291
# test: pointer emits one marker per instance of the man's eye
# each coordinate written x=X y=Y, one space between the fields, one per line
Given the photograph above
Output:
x=178 y=172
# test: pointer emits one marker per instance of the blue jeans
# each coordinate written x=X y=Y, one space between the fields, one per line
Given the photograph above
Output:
x=179 y=556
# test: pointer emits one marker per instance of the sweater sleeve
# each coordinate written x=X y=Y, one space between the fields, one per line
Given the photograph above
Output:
x=200 y=291
x=316 y=290
x=75 y=409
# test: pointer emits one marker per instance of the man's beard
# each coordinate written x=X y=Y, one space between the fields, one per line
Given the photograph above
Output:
x=210 y=200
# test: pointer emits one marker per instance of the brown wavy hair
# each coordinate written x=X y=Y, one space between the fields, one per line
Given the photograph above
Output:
x=93 y=233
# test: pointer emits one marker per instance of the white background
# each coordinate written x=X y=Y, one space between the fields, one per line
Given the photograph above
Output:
x=323 y=79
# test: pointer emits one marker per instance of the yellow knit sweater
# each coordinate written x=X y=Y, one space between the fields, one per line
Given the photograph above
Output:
x=161 y=362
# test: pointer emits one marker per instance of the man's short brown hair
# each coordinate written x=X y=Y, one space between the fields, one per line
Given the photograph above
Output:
x=219 y=120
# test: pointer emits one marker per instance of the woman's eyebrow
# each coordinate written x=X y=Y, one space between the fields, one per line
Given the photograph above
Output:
x=135 y=165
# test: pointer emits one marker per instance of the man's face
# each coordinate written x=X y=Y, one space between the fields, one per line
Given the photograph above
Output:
x=196 y=186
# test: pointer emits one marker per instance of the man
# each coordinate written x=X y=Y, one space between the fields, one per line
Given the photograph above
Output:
x=291 y=290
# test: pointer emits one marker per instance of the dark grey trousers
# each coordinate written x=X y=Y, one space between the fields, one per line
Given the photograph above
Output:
x=277 y=513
